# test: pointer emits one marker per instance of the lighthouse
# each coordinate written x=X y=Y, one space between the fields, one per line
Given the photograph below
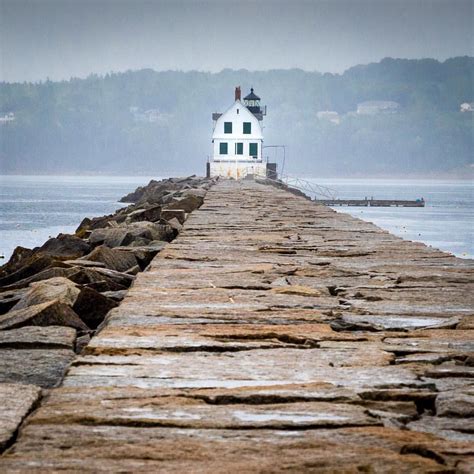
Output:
x=237 y=139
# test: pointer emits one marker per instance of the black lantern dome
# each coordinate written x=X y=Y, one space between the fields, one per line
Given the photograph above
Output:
x=252 y=102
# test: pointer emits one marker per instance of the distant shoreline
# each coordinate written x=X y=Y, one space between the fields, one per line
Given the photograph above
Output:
x=151 y=175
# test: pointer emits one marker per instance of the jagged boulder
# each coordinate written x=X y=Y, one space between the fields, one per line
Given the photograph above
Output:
x=150 y=214
x=145 y=253
x=111 y=237
x=175 y=225
x=150 y=230
x=91 y=306
x=17 y=260
x=10 y=298
x=59 y=288
x=113 y=259
x=87 y=225
x=102 y=279
x=66 y=272
x=33 y=265
x=52 y=313
x=188 y=203
x=168 y=214
x=65 y=247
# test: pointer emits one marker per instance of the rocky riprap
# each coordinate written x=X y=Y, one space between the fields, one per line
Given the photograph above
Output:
x=271 y=335
x=53 y=298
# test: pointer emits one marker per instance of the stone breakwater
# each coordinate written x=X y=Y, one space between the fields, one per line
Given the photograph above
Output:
x=54 y=297
x=271 y=335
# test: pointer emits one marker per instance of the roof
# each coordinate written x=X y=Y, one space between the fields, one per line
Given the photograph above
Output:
x=252 y=96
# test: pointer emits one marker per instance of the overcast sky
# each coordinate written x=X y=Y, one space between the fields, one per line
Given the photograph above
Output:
x=63 y=38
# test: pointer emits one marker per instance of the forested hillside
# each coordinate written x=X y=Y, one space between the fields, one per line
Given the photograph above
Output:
x=147 y=122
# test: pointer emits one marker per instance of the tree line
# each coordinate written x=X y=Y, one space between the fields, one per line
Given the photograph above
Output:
x=149 y=122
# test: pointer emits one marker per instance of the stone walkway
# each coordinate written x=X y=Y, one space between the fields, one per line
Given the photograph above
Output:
x=272 y=335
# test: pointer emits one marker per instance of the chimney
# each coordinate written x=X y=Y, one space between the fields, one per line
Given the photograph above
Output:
x=237 y=93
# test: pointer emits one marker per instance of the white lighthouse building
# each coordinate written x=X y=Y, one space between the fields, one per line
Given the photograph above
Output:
x=238 y=139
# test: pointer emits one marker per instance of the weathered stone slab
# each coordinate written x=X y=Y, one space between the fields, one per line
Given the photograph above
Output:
x=17 y=401
x=223 y=355
x=37 y=337
x=134 y=449
x=43 y=367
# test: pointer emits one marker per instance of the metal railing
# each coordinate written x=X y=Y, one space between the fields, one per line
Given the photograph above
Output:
x=313 y=190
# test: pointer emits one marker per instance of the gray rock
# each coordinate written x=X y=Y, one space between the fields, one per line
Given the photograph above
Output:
x=41 y=367
x=37 y=337
x=111 y=237
x=65 y=271
x=8 y=299
x=116 y=295
x=33 y=265
x=134 y=270
x=179 y=214
x=187 y=203
x=52 y=313
x=65 y=246
x=17 y=401
x=92 y=306
x=145 y=253
x=82 y=342
x=151 y=214
x=175 y=224
x=456 y=403
x=113 y=259
x=58 y=288
x=84 y=263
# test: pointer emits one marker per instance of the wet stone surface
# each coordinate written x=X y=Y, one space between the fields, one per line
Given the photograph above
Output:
x=272 y=335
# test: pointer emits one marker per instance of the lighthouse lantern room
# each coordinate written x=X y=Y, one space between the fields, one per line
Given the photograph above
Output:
x=238 y=139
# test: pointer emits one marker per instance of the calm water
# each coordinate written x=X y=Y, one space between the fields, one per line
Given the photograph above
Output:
x=32 y=208
x=447 y=221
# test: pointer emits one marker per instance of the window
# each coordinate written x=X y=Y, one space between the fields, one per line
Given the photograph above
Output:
x=239 y=148
x=253 y=149
x=223 y=148
x=227 y=127
x=247 y=128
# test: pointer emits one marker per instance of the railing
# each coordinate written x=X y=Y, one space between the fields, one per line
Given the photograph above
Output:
x=313 y=190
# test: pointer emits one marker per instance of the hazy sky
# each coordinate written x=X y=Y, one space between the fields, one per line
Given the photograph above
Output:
x=64 y=38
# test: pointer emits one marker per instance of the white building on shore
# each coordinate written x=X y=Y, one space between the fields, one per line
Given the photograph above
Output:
x=373 y=107
x=238 y=139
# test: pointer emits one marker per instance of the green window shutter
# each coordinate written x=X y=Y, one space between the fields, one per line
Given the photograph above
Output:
x=223 y=148
x=239 y=148
x=227 y=127
x=247 y=128
x=253 y=149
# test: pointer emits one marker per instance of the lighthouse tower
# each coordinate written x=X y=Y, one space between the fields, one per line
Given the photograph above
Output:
x=238 y=139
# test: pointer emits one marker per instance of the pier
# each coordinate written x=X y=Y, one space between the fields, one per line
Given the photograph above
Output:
x=372 y=202
x=273 y=334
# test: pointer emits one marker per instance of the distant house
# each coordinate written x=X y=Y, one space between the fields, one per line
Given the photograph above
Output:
x=373 y=107
x=10 y=117
x=330 y=116
x=467 y=107
x=148 y=116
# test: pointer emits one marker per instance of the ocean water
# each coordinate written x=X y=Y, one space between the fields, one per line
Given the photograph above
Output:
x=33 y=208
x=446 y=222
